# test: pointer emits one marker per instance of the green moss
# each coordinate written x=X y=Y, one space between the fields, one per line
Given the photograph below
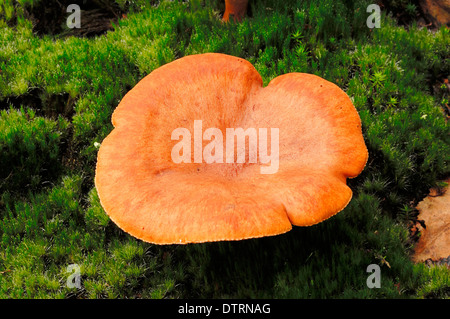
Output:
x=57 y=95
x=29 y=149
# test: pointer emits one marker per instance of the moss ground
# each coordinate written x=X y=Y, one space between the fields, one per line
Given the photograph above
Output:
x=57 y=93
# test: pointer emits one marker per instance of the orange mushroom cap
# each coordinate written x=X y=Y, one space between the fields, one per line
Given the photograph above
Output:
x=235 y=9
x=154 y=199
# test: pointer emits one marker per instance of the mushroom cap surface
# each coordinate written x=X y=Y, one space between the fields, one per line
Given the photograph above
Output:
x=156 y=200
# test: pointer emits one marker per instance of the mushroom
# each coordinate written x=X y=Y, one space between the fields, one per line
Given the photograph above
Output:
x=235 y=9
x=162 y=201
